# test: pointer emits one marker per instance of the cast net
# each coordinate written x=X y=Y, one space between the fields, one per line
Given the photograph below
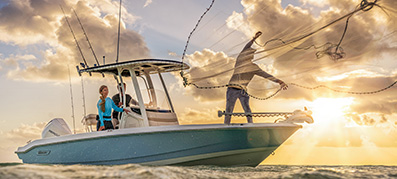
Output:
x=306 y=52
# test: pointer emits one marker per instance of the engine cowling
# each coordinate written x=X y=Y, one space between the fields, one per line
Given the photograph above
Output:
x=56 y=127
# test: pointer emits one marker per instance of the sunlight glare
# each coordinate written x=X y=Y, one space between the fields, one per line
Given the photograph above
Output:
x=326 y=110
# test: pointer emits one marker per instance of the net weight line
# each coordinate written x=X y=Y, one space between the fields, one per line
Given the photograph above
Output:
x=191 y=33
x=347 y=92
x=243 y=90
x=297 y=85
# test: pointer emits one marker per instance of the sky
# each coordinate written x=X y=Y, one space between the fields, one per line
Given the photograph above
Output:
x=38 y=55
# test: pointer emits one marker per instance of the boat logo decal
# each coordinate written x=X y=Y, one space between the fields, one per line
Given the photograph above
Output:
x=43 y=152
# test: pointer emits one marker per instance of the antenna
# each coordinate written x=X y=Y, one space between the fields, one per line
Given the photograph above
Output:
x=85 y=34
x=77 y=43
x=71 y=98
x=118 y=35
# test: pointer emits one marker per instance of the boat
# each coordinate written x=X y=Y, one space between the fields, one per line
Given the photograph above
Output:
x=152 y=135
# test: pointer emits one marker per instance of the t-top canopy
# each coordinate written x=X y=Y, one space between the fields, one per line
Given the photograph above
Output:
x=150 y=66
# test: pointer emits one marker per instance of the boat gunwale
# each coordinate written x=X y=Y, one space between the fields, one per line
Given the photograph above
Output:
x=145 y=130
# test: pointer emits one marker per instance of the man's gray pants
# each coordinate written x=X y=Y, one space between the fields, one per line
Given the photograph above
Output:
x=231 y=96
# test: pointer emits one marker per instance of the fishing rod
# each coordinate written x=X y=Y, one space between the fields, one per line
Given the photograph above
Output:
x=71 y=98
x=118 y=35
x=82 y=90
x=85 y=34
x=77 y=43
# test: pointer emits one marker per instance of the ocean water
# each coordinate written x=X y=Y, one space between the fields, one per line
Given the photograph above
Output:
x=14 y=170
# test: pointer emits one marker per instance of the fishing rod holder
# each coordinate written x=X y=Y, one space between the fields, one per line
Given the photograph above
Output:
x=298 y=116
x=260 y=114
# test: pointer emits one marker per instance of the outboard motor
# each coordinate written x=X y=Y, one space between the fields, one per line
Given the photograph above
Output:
x=56 y=127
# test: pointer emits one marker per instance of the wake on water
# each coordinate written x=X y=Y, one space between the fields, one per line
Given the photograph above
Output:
x=16 y=170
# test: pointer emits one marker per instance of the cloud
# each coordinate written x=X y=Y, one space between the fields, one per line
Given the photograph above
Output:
x=28 y=22
x=14 y=60
x=362 y=120
x=382 y=106
x=25 y=132
x=112 y=7
x=318 y=3
x=147 y=3
x=172 y=54
x=42 y=22
x=207 y=66
x=236 y=21
x=370 y=119
x=53 y=69
x=382 y=100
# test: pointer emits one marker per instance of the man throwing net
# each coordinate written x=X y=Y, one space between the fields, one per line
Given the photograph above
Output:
x=244 y=71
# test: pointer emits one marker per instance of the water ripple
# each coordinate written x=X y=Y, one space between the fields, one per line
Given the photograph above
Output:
x=16 y=170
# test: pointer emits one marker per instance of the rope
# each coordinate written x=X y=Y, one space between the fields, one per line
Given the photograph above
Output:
x=347 y=92
x=294 y=84
x=188 y=39
x=243 y=90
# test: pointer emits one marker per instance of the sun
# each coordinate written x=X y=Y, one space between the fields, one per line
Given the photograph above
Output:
x=326 y=110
